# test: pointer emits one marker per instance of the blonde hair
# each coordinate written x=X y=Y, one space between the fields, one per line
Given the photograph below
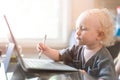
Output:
x=106 y=22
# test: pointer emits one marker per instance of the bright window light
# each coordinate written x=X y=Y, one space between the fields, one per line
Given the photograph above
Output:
x=32 y=19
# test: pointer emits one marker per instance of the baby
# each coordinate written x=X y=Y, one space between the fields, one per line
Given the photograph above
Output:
x=94 y=31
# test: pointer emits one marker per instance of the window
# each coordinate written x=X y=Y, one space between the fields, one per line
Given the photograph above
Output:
x=30 y=20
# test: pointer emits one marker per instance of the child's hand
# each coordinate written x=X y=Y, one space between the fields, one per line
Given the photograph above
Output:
x=41 y=47
x=83 y=71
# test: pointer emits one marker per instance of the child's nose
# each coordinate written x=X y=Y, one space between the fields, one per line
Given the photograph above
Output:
x=78 y=32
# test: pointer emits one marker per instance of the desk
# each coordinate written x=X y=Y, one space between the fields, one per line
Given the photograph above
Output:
x=19 y=74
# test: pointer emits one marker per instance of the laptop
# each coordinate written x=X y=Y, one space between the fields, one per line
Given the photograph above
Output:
x=36 y=65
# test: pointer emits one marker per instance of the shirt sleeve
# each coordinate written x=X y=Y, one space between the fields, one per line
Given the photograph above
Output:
x=107 y=68
x=67 y=55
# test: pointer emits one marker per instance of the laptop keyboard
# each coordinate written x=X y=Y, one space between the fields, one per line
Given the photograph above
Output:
x=36 y=63
x=46 y=65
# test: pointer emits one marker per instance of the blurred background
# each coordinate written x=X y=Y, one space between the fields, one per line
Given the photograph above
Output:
x=30 y=20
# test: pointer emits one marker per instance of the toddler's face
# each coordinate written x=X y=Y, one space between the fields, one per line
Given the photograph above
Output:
x=87 y=31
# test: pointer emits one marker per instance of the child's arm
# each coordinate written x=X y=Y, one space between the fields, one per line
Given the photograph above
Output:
x=86 y=76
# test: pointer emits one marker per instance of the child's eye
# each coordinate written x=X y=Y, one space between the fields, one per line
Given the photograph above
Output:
x=83 y=28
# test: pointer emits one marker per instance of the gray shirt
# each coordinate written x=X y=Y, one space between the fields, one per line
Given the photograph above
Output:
x=99 y=65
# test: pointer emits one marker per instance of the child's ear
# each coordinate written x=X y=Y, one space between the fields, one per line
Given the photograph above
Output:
x=101 y=35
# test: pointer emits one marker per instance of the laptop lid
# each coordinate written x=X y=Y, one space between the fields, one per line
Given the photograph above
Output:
x=43 y=66
x=12 y=39
x=9 y=52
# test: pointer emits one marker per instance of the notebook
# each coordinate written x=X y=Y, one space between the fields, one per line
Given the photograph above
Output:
x=36 y=65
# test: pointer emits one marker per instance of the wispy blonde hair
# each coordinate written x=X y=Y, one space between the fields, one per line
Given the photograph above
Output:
x=106 y=22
